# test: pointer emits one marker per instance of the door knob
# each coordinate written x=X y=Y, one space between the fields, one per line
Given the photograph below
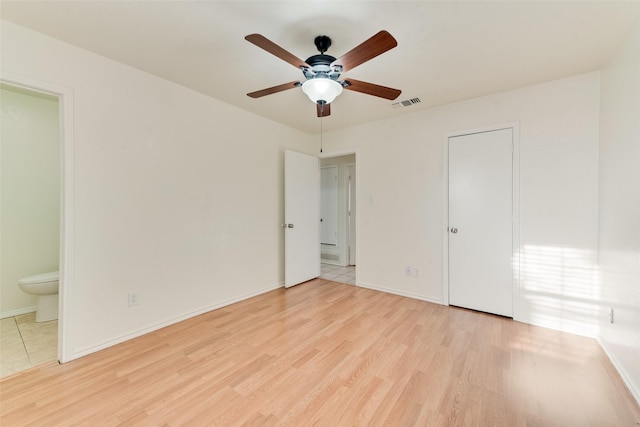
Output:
x=454 y=230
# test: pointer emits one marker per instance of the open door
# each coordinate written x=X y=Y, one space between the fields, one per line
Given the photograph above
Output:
x=301 y=218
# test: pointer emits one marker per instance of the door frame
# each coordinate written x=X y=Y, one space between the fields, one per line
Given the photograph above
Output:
x=515 y=127
x=351 y=231
x=67 y=194
x=347 y=152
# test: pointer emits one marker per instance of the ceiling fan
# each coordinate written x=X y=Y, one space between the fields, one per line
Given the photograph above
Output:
x=321 y=72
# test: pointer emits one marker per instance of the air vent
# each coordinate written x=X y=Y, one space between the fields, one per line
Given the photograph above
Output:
x=406 y=103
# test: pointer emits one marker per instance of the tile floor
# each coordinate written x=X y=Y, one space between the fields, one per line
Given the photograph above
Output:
x=25 y=343
x=338 y=273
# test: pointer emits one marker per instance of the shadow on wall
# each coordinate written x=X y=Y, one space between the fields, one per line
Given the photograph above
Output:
x=559 y=287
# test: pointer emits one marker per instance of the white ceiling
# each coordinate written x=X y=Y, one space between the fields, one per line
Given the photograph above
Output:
x=447 y=50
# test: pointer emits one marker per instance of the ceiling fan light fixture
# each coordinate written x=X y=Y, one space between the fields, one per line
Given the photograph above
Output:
x=322 y=90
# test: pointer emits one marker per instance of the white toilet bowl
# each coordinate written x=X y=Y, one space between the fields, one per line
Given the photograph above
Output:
x=45 y=287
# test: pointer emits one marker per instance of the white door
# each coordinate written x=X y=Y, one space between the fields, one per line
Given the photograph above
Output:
x=329 y=205
x=351 y=213
x=301 y=218
x=480 y=221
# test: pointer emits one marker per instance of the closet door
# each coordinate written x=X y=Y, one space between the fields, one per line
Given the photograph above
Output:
x=480 y=221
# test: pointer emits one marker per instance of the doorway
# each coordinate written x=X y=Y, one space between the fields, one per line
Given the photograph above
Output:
x=338 y=256
x=30 y=222
x=64 y=99
x=481 y=238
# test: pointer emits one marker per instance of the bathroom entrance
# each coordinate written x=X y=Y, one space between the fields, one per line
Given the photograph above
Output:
x=338 y=218
x=30 y=224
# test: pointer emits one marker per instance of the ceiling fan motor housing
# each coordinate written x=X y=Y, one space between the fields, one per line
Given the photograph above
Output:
x=321 y=64
x=323 y=43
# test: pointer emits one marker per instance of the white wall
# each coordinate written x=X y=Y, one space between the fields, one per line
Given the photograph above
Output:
x=30 y=194
x=176 y=193
x=400 y=211
x=619 y=209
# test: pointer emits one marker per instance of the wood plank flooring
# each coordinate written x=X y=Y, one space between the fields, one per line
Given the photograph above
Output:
x=329 y=354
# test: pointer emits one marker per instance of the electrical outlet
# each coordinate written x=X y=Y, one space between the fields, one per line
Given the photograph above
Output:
x=408 y=271
x=134 y=299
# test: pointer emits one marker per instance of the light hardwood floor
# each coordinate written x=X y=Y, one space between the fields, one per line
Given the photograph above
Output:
x=330 y=354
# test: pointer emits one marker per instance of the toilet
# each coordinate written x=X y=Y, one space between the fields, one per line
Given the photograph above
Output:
x=45 y=287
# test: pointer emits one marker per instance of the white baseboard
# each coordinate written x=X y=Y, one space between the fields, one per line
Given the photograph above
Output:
x=331 y=262
x=143 y=331
x=18 y=312
x=633 y=388
x=400 y=293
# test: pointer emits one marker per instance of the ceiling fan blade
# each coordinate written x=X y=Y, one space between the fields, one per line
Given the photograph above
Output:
x=266 y=44
x=274 y=89
x=323 y=110
x=371 y=89
x=369 y=49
